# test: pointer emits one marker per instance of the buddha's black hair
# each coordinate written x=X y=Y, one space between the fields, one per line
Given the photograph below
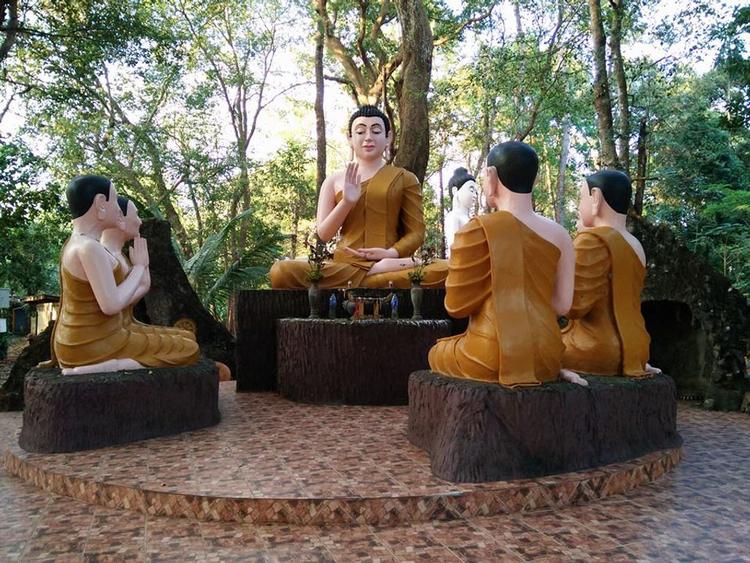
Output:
x=369 y=111
x=460 y=177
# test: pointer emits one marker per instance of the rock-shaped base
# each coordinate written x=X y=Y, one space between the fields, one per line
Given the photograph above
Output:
x=364 y=362
x=66 y=413
x=477 y=432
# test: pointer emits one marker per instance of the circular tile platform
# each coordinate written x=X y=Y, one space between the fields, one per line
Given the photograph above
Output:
x=275 y=461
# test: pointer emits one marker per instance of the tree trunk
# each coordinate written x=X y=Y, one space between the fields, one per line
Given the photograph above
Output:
x=320 y=122
x=623 y=141
x=11 y=29
x=640 y=179
x=416 y=46
x=560 y=189
x=602 y=102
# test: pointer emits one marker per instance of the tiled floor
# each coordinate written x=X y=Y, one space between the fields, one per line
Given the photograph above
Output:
x=271 y=460
x=701 y=511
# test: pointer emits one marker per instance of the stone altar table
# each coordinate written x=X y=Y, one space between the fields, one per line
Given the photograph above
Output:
x=364 y=362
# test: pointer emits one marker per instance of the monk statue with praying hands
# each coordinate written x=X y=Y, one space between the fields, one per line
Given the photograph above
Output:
x=95 y=331
x=511 y=272
x=607 y=334
x=377 y=210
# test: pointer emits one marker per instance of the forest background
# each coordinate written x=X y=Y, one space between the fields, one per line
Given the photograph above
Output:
x=224 y=116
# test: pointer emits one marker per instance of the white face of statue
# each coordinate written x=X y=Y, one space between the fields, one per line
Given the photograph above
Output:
x=131 y=224
x=107 y=209
x=467 y=194
x=368 y=138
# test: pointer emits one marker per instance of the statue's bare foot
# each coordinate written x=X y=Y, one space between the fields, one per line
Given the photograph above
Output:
x=109 y=365
x=572 y=377
x=652 y=370
x=225 y=374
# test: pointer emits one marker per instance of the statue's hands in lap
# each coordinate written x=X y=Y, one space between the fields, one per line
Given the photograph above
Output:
x=352 y=183
x=374 y=254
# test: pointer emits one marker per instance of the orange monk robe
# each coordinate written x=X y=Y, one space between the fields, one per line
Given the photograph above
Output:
x=84 y=335
x=387 y=215
x=607 y=335
x=502 y=276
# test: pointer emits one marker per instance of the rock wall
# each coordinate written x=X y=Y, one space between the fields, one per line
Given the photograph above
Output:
x=699 y=323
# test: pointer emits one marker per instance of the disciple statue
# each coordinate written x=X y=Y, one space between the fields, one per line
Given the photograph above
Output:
x=378 y=210
x=463 y=202
x=511 y=272
x=607 y=335
x=95 y=331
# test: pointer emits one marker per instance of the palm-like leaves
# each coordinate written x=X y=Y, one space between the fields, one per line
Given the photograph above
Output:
x=213 y=282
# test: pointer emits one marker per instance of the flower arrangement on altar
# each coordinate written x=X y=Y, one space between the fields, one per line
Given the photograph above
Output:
x=422 y=258
x=318 y=253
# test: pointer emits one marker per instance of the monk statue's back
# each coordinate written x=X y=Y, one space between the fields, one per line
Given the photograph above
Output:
x=607 y=334
x=511 y=273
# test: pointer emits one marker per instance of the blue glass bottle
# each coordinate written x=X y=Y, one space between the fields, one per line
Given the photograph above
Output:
x=394 y=306
x=332 y=305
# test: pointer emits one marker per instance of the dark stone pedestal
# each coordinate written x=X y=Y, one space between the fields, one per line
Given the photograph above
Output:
x=81 y=412
x=257 y=310
x=353 y=362
x=477 y=432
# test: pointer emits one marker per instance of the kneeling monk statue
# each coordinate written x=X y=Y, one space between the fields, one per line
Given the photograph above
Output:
x=94 y=331
x=377 y=207
x=607 y=335
x=511 y=273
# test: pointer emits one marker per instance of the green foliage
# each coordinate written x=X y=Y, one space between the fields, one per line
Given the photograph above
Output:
x=213 y=282
x=284 y=193
x=32 y=222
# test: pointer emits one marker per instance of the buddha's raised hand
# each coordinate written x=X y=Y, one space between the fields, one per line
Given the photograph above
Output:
x=352 y=183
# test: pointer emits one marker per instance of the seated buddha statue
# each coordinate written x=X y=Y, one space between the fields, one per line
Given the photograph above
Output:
x=93 y=332
x=607 y=334
x=377 y=208
x=511 y=273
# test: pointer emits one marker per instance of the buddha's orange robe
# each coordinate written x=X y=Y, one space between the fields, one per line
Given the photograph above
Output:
x=501 y=274
x=84 y=335
x=388 y=214
x=607 y=334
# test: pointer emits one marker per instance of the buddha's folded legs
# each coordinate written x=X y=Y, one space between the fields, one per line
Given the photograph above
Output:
x=435 y=274
x=292 y=274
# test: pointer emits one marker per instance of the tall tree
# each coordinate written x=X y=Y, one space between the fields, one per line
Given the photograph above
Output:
x=602 y=101
x=618 y=67
x=416 y=47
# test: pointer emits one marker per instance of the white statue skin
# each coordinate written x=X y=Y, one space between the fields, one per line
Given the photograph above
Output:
x=114 y=239
x=594 y=211
x=463 y=203
x=521 y=207
x=368 y=141
x=87 y=259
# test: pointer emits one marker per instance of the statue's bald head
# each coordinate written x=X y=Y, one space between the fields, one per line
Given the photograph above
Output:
x=517 y=165
x=615 y=187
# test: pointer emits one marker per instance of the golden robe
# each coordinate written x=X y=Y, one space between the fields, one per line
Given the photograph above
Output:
x=501 y=274
x=607 y=335
x=388 y=214
x=84 y=335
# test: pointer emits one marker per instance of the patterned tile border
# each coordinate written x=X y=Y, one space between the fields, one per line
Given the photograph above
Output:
x=496 y=498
